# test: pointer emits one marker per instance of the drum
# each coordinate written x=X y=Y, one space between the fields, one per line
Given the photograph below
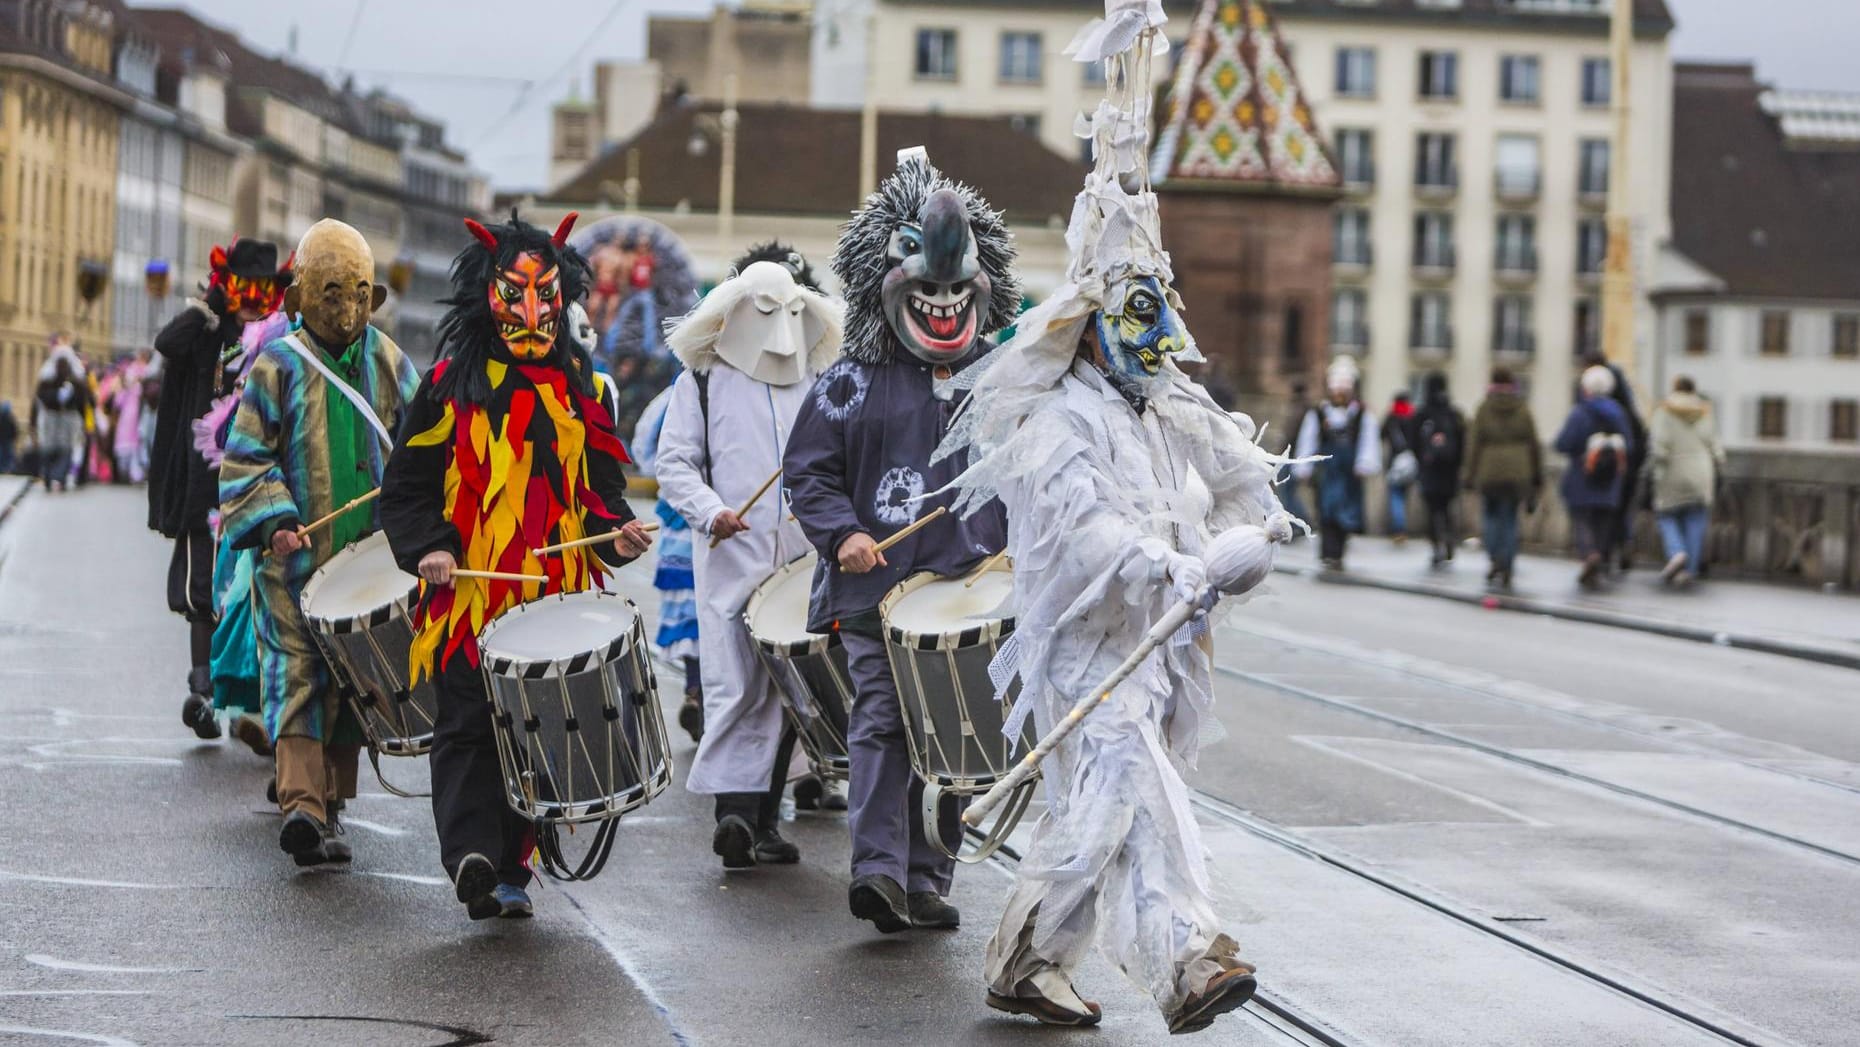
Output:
x=810 y=669
x=941 y=634
x=358 y=606
x=575 y=708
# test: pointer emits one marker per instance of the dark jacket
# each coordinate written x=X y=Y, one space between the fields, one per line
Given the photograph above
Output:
x=183 y=488
x=1503 y=456
x=858 y=456
x=1587 y=418
x=1437 y=435
x=9 y=427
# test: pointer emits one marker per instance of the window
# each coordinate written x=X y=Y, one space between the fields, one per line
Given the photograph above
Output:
x=1292 y=336
x=1349 y=319
x=1356 y=72
x=1517 y=79
x=1020 y=58
x=1094 y=74
x=1698 y=332
x=1772 y=417
x=1597 y=82
x=1844 y=421
x=1433 y=240
x=1430 y=327
x=1775 y=333
x=1517 y=174
x=1026 y=123
x=936 y=54
x=1847 y=336
x=1592 y=175
x=1356 y=154
x=1440 y=75
x=1591 y=246
x=1434 y=163
x=1588 y=327
x=1517 y=243
x=1511 y=325
x=1350 y=239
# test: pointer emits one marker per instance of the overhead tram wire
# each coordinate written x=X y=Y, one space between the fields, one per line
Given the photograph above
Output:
x=523 y=96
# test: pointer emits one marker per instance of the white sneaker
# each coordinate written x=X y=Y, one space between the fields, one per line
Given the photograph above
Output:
x=1675 y=566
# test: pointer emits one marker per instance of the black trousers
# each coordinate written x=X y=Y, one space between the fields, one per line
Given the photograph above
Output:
x=469 y=808
x=762 y=810
x=1440 y=525
x=1331 y=538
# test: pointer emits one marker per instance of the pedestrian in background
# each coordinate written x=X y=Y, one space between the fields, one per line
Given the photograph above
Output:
x=1344 y=432
x=1291 y=488
x=9 y=436
x=58 y=408
x=1629 y=503
x=1505 y=465
x=1598 y=440
x=1398 y=451
x=1437 y=435
x=1683 y=461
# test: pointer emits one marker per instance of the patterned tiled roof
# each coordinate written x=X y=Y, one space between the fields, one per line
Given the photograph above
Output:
x=1237 y=116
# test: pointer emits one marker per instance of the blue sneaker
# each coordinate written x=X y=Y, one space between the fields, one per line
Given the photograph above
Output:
x=513 y=902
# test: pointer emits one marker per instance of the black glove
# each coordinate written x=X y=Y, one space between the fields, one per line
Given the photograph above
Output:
x=215 y=299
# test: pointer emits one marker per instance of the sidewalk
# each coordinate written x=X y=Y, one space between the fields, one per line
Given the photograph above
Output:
x=1777 y=619
x=12 y=489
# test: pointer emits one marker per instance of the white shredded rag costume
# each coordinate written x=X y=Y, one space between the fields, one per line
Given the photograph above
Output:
x=1107 y=502
x=748 y=426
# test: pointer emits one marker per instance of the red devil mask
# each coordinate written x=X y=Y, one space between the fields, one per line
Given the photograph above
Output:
x=526 y=299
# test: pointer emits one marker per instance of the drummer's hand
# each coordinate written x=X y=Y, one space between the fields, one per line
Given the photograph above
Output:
x=287 y=540
x=860 y=554
x=634 y=539
x=437 y=567
x=727 y=525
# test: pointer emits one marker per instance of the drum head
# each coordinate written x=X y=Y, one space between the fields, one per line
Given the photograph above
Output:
x=356 y=581
x=559 y=628
x=777 y=610
x=942 y=606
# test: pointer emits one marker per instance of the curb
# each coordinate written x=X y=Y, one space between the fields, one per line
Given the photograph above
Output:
x=13 y=502
x=1589 y=616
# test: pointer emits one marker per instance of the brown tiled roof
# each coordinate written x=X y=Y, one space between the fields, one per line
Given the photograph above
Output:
x=1768 y=219
x=793 y=160
x=179 y=31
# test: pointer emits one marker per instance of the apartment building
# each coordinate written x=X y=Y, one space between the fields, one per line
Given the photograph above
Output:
x=1759 y=297
x=59 y=114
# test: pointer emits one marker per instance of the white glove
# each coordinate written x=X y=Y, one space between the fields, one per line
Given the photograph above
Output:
x=1279 y=527
x=1188 y=580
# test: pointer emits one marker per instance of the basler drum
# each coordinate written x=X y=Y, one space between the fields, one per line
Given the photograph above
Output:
x=941 y=635
x=576 y=713
x=810 y=669
x=358 y=605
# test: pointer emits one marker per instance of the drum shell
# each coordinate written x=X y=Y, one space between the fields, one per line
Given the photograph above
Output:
x=581 y=738
x=813 y=677
x=951 y=716
x=369 y=656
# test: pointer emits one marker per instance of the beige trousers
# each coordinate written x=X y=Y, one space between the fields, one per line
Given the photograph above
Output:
x=313 y=776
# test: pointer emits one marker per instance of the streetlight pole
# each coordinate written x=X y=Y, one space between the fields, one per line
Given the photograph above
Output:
x=726 y=191
x=868 y=113
x=1618 y=268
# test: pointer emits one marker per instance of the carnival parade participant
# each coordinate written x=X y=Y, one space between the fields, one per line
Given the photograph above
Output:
x=751 y=351
x=1339 y=445
x=508 y=446
x=926 y=268
x=1117 y=472
x=311 y=436
x=201 y=355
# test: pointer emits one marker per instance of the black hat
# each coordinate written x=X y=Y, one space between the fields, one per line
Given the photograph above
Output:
x=255 y=260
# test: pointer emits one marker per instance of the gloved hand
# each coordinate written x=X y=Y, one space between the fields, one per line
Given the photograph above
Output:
x=1279 y=527
x=215 y=299
x=1188 y=580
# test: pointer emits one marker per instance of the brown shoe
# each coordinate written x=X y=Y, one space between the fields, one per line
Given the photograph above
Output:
x=250 y=730
x=1227 y=991
x=1031 y=999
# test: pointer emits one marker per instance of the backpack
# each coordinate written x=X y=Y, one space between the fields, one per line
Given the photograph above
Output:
x=1438 y=437
x=1605 y=458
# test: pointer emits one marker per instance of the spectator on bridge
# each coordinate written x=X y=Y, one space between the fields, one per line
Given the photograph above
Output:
x=1437 y=434
x=1628 y=504
x=1505 y=464
x=1291 y=488
x=9 y=436
x=1344 y=432
x=1683 y=461
x=58 y=408
x=1599 y=442
x=1397 y=450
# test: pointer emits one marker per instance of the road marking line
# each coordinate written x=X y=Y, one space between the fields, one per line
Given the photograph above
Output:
x=57 y=964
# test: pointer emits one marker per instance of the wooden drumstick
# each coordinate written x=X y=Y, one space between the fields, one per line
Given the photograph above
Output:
x=751 y=503
x=590 y=540
x=921 y=523
x=308 y=529
x=499 y=576
x=987 y=565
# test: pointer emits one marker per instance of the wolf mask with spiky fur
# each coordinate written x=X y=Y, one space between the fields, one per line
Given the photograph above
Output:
x=925 y=265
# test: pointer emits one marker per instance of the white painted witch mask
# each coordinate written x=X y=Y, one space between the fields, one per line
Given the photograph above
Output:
x=771 y=326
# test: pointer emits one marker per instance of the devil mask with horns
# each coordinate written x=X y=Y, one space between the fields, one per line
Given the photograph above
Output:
x=511 y=289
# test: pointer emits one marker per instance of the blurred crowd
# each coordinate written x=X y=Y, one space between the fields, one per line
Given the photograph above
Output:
x=83 y=423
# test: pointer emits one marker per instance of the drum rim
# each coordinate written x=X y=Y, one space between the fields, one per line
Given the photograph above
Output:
x=816 y=643
x=529 y=668
x=373 y=616
x=968 y=636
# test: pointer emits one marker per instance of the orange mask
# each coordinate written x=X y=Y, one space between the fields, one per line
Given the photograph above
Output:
x=526 y=299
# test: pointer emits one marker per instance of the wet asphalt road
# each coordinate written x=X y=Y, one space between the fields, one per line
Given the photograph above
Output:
x=1401 y=778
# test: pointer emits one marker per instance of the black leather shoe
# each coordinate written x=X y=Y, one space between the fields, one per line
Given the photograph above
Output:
x=334 y=848
x=301 y=837
x=772 y=849
x=808 y=793
x=734 y=842
x=930 y=912
x=878 y=898
x=473 y=883
x=691 y=715
x=197 y=713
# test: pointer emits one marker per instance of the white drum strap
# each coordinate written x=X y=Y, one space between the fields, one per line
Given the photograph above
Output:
x=361 y=404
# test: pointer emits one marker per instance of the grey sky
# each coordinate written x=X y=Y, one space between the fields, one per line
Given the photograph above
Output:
x=461 y=59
